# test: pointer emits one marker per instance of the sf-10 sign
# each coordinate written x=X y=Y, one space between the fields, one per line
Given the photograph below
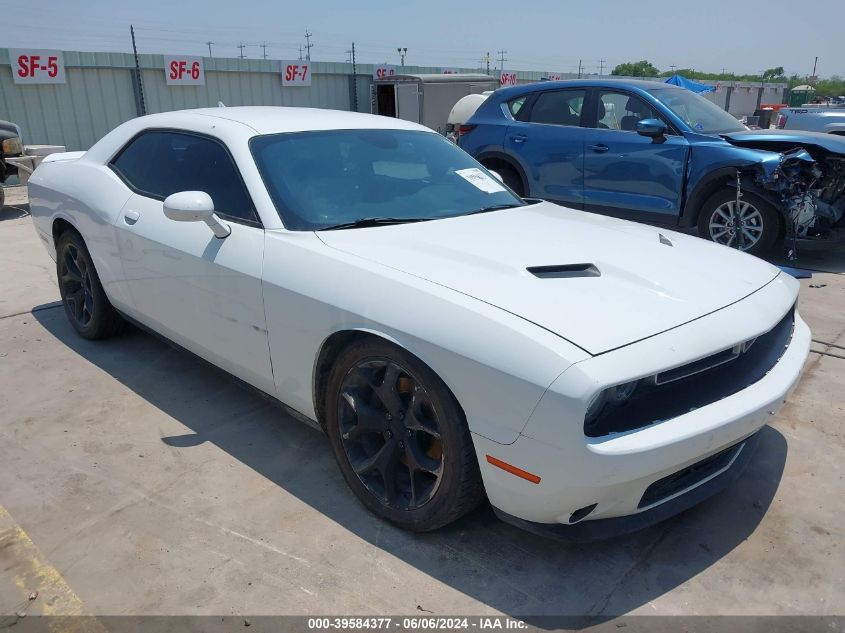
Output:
x=184 y=71
x=296 y=73
x=37 y=66
x=383 y=72
x=507 y=79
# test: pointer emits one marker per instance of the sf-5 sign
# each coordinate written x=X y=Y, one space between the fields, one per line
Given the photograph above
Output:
x=37 y=66
x=184 y=70
x=296 y=73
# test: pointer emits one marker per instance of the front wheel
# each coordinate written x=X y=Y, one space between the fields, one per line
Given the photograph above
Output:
x=400 y=438
x=753 y=226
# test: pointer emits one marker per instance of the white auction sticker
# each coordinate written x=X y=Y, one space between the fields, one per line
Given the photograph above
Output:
x=184 y=70
x=480 y=179
x=37 y=66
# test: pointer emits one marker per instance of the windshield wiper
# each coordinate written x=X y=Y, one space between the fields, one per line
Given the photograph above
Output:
x=494 y=207
x=366 y=222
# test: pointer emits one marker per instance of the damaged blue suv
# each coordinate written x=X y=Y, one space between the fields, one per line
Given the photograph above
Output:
x=658 y=153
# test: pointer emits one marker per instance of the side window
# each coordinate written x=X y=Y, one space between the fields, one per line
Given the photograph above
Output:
x=159 y=163
x=558 y=107
x=516 y=105
x=620 y=111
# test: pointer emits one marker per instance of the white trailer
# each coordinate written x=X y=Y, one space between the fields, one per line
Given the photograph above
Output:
x=426 y=99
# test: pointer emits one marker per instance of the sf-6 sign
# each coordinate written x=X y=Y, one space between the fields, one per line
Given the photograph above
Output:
x=37 y=66
x=383 y=72
x=296 y=73
x=184 y=70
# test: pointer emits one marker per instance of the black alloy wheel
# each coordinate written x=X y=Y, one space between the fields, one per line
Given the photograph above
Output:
x=399 y=436
x=390 y=433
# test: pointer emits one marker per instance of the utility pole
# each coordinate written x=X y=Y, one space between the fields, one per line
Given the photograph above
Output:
x=300 y=53
x=402 y=52
x=264 y=49
x=209 y=48
x=579 y=69
x=354 y=81
x=241 y=46
x=487 y=59
x=502 y=59
x=601 y=67
x=672 y=67
x=815 y=63
x=308 y=44
x=141 y=101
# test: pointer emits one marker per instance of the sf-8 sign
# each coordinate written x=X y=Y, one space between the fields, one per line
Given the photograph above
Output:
x=184 y=70
x=296 y=73
x=507 y=78
x=37 y=66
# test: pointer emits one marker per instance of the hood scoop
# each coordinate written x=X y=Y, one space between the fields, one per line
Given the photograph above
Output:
x=564 y=271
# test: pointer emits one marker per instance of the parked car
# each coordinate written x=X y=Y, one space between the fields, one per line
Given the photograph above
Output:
x=819 y=119
x=590 y=375
x=10 y=146
x=659 y=153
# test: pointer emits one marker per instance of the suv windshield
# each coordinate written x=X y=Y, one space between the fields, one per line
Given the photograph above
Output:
x=700 y=114
x=323 y=179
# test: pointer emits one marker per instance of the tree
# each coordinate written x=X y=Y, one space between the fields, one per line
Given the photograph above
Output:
x=641 y=68
x=774 y=74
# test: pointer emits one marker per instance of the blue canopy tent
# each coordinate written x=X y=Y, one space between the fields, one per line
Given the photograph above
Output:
x=689 y=84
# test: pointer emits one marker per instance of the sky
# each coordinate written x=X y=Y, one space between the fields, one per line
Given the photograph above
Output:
x=537 y=35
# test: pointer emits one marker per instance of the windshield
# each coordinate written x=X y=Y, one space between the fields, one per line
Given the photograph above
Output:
x=322 y=179
x=700 y=114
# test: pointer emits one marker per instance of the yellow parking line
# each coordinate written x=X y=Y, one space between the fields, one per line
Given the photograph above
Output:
x=33 y=576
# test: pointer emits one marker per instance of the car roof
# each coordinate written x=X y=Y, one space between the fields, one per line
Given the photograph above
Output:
x=605 y=82
x=277 y=119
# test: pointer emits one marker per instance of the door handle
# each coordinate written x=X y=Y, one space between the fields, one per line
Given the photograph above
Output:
x=600 y=148
x=519 y=138
x=131 y=217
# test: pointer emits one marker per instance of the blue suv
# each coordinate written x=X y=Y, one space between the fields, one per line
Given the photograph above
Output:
x=658 y=153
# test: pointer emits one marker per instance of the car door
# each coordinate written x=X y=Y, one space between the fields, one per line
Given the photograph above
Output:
x=202 y=292
x=548 y=139
x=627 y=174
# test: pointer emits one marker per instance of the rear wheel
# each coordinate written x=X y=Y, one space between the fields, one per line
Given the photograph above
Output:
x=85 y=302
x=752 y=226
x=400 y=437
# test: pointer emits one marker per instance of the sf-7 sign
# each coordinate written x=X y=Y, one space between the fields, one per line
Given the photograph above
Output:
x=37 y=66
x=296 y=73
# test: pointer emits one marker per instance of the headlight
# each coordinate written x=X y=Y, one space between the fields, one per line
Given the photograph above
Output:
x=612 y=396
x=12 y=146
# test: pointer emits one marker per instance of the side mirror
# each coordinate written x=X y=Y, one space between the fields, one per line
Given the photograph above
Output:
x=194 y=206
x=653 y=128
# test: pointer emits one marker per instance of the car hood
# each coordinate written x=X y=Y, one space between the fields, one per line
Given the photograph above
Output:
x=620 y=282
x=777 y=140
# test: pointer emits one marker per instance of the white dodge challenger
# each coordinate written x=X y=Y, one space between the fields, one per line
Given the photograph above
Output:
x=590 y=376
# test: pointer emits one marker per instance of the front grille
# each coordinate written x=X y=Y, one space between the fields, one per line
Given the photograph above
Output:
x=689 y=476
x=692 y=386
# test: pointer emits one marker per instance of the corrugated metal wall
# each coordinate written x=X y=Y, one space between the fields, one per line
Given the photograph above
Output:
x=100 y=93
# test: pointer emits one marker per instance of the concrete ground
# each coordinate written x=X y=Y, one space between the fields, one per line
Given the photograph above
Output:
x=135 y=479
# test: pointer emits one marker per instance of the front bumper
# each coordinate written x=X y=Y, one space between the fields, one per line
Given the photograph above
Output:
x=599 y=529
x=613 y=472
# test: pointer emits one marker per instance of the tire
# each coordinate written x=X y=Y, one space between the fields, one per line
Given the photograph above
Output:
x=716 y=220
x=85 y=302
x=513 y=181
x=400 y=437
